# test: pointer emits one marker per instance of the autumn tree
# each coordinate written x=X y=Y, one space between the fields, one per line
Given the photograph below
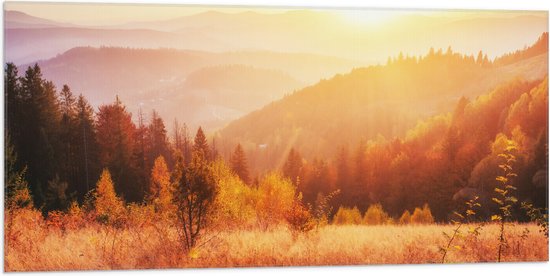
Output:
x=116 y=146
x=276 y=198
x=160 y=188
x=239 y=164
x=405 y=217
x=109 y=207
x=422 y=215
x=375 y=215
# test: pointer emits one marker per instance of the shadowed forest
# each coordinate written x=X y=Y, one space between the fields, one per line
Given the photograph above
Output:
x=433 y=158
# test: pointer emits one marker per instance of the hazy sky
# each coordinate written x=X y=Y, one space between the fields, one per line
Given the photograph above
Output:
x=81 y=13
x=106 y=14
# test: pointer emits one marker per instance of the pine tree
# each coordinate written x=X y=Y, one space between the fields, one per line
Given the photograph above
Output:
x=86 y=147
x=200 y=145
x=68 y=107
x=239 y=164
x=38 y=142
x=293 y=166
x=157 y=140
x=12 y=97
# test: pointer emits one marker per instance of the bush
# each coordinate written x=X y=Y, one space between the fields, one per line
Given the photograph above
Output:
x=299 y=217
x=347 y=216
x=405 y=217
x=422 y=216
x=376 y=215
x=235 y=203
x=275 y=197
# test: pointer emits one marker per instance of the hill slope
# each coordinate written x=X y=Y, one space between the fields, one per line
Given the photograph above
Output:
x=378 y=100
x=167 y=79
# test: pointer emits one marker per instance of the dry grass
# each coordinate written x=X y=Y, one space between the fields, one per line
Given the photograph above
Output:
x=41 y=248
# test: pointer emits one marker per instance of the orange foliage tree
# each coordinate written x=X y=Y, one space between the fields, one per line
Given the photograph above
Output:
x=108 y=206
x=160 y=188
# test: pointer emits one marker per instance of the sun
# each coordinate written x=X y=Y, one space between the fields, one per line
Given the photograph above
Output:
x=364 y=18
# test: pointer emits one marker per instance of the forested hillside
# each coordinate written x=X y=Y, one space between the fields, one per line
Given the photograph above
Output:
x=384 y=100
x=356 y=133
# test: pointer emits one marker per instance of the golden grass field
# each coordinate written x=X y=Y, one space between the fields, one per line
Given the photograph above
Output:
x=94 y=247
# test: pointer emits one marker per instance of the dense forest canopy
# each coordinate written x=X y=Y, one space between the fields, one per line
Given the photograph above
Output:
x=357 y=136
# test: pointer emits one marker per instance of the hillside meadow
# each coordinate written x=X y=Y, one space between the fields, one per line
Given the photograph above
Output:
x=43 y=247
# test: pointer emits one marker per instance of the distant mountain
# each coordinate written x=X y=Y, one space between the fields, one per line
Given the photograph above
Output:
x=368 y=102
x=322 y=32
x=214 y=96
x=17 y=19
x=32 y=44
x=215 y=87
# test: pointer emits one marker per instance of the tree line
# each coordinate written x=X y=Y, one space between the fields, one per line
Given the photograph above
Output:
x=443 y=161
x=62 y=144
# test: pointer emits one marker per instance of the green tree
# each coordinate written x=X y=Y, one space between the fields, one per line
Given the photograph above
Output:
x=38 y=144
x=195 y=193
x=67 y=135
x=57 y=196
x=16 y=191
x=85 y=148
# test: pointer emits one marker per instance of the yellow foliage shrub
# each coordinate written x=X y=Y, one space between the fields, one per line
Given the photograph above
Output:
x=235 y=201
x=275 y=196
x=347 y=216
x=405 y=217
x=376 y=215
x=422 y=216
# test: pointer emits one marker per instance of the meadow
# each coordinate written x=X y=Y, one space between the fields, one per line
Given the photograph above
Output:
x=42 y=246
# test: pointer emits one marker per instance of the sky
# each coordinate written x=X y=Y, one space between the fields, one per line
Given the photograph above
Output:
x=112 y=14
